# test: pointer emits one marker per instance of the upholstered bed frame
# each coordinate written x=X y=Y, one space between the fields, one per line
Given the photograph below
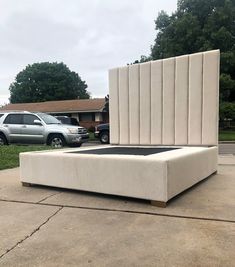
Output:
x=163 y=134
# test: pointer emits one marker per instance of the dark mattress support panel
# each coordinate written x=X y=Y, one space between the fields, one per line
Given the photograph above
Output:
x=138 y=151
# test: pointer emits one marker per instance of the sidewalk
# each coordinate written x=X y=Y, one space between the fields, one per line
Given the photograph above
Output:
x=41 y=226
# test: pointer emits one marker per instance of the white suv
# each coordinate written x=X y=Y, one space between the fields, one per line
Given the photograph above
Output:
x=38 y=128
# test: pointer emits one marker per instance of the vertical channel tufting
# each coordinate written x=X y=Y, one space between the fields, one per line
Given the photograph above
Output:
x=156 y=102
x=134 y=104
x=114 y=105
x=181 y=100
x=169 y=101
x=124 y=104
x=162 y=106
x=210 y=97
x=195 y=99
x=145 y=103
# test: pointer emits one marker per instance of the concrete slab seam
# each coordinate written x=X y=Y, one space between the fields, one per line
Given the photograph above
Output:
x=122 y=211
x=32 y=233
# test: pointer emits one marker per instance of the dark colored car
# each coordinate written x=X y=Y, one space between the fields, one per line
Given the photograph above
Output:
x=102 y=132
x=67 y=120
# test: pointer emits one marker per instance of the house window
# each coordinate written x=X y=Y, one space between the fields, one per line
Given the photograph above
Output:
x=87 y=117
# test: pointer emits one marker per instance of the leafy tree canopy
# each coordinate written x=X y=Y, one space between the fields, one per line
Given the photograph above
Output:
x=45 y=82
x=227 y=111
x=199 y=25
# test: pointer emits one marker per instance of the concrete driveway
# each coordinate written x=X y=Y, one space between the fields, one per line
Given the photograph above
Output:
x=41 y=226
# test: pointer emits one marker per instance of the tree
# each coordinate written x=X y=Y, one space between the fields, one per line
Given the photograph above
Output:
x=199 y=25
x=142 y=60
x=227 y=111
x=106 y=106
x=45 y=82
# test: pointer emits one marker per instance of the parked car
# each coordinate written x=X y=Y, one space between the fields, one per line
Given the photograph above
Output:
x=102 y=132
x=38 y=128
x=67 y=120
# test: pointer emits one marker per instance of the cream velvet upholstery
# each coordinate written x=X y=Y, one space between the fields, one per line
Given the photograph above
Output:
x=154 y=177
x=166 y=102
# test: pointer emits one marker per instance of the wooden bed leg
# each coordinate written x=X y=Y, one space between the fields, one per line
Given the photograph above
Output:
x=26 y=184
x=159 y=204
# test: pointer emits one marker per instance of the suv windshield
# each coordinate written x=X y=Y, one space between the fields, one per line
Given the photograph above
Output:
x=67 y=120
x=48 y=119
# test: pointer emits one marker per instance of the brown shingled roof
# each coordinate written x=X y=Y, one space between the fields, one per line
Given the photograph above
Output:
x=78 y=105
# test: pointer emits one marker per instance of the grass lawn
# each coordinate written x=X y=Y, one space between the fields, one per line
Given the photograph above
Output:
x=227 y=136
x=92 y=137
x=9 y=155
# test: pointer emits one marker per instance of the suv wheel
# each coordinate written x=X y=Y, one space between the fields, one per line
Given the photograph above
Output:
x=56 y=141
x=104 y=137
x=3 y=140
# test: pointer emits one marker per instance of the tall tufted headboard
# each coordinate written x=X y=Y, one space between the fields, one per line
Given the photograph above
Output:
x=172 y=101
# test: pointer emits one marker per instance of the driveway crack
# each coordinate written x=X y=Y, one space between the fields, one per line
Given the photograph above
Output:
x=32 y=233
x=45 y=198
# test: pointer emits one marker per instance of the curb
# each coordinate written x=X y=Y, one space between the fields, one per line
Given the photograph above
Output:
x=226 y=142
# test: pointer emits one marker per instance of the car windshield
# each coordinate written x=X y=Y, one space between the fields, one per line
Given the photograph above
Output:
x=68 y=121
x=48 y=119
x=65 y=120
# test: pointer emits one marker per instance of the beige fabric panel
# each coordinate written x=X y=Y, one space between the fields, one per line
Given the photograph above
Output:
x=210 y=98
x=134 y=104
x=124 y=105
x=168 y=137
x=145 y=103
x=195 y=99
x=156 y=102
x=166 y=102
x=114 y=103
x=181 y=100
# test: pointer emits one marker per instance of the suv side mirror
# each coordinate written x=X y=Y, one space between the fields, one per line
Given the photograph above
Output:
x=37 y=122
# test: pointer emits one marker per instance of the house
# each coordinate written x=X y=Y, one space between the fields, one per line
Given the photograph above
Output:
x=89 y=112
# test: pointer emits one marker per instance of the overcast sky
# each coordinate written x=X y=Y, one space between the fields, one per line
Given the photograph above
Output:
x=90 y=37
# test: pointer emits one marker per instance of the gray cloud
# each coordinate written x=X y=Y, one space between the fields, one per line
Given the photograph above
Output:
x=89 y=36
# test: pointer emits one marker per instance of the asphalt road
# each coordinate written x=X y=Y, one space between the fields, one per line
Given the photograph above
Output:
x=227 y=149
